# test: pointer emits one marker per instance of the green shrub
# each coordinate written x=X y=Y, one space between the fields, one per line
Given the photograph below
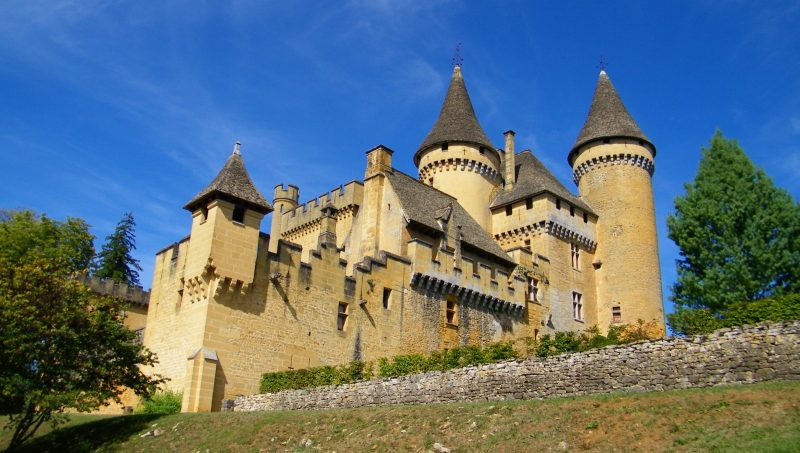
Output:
x=386 y=367
x=687 y=321
x=165 y=402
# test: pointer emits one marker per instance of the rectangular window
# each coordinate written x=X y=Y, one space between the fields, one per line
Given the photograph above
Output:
x=572 y=211
x=529 y=203
x=575 y=251
x=341 y=317
x=585 y=217
x=508 y=210
x=238 y=214
x=577 y=306
x=444 y=146
x=616 y=314
x=558 y=203
x=451 y=311
x=533 y=289
x=387 y=296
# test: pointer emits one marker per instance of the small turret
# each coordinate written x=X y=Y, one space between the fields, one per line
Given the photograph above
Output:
x=612 y=162
x=285 y=200
x=457 y=157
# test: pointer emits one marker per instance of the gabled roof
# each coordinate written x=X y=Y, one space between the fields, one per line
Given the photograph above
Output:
x=534 y=178
x=234 y=184
x=457 y=121
x=423 y=204
x=608 y=118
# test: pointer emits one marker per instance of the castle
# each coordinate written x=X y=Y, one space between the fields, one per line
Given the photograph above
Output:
x=485 y=244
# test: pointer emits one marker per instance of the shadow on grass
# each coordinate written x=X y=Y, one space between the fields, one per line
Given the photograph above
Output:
x=92 y=436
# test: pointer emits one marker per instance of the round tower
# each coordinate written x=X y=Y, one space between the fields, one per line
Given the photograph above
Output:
x=285 y=200
x=457 y=157
x=612 y=163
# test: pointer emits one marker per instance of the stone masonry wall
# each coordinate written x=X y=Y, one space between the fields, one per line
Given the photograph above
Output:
x=728 y=356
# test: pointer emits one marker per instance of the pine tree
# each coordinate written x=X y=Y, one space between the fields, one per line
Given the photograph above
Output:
x=115 y=261
x=738 y=234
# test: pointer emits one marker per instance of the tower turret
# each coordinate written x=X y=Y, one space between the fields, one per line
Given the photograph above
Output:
x=457 y=157
x=285 y=200
x=226 y=217
x=612 y=163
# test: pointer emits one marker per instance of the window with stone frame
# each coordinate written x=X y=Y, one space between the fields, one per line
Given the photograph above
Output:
x=341 y=316
x=451 y=311
x=577 y=306
x=575 y=251
x=616 y=313
x=533 y=289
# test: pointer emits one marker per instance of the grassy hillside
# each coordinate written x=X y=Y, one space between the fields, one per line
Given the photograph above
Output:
x=758 y=417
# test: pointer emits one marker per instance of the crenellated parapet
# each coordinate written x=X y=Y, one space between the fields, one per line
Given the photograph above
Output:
x=346 y=199
x=459 y=164
x=512 y=236
x=480 y=285
x=635 y=160
x=483 y=287
x=133 y=294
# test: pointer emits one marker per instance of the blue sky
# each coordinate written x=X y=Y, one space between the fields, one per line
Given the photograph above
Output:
x=115 y=106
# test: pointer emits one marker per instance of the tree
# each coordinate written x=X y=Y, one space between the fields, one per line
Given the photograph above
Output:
x=738 y=234
x=61 y=346
x=115 y=260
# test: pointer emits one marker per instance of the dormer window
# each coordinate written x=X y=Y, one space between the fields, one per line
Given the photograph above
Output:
x=238 y=214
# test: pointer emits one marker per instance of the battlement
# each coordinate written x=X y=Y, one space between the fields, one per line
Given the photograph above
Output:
x=287 y=192
x=485 y=287
x=351 y=194
x=468 y=279
x=107 y=287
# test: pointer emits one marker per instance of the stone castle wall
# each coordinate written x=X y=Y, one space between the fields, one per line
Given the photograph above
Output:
x=729 y=356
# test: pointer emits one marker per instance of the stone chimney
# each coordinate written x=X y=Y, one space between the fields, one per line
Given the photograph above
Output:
x=379 y=159
x=509 y=161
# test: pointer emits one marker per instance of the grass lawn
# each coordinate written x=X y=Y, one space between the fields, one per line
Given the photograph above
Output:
x=757 y=417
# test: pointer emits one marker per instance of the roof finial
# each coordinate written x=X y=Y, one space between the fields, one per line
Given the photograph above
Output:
x=603 y=64
x=236 y=147
x=457 y=60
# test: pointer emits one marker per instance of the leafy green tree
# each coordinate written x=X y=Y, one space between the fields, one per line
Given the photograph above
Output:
x=738 y=234
x=115 y=261
x=61 y=346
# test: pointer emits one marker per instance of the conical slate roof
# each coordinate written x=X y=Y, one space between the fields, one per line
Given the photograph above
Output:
x=232 y=183
x=608 y=118
x=457 y=121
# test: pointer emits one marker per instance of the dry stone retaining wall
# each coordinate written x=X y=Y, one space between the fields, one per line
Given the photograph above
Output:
x=728 y=356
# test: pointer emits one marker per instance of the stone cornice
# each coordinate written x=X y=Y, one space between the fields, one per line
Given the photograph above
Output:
x=459 y=164
x=634 y=160
x=548 y=227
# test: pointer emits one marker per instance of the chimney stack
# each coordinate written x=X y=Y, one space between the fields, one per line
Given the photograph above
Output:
x=509 y=161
